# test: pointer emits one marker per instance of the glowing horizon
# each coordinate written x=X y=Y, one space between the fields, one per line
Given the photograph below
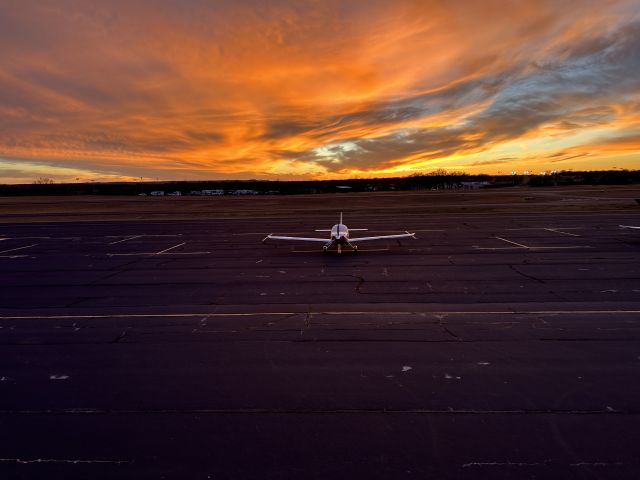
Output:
x=186 y=90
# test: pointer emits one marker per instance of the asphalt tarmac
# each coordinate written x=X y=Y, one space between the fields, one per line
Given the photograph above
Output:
x=494 y=346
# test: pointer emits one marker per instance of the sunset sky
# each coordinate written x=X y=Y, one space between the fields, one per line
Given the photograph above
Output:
x=200 y=89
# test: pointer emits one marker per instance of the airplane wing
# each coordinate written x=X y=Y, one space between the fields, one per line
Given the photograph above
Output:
x=402 y=235
x=301 y=239
x=629 y=226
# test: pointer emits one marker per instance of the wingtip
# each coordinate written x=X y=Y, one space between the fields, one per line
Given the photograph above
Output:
x=266 y=238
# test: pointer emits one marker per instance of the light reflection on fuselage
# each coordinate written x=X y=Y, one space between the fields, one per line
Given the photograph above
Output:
x=340 y=232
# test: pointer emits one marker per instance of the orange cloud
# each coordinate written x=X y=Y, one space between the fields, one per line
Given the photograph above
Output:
x=200 y=89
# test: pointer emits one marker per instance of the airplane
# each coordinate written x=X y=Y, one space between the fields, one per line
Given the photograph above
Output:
x=629 y=226
x=339 y=236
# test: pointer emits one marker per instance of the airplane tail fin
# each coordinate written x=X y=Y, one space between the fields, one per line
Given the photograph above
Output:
x=341 y=217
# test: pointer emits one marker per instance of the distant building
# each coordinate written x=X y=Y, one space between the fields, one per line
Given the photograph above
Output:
x=157 y=193
x=343 y=188
x=212 y=192
x=245 y=192
x=473 y=185
x=175 y=194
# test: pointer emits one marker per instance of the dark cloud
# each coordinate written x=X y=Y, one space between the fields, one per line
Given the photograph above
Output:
x=496 y=161
x=572 y=96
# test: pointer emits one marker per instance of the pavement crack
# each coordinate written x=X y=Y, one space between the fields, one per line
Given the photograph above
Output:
x=359 y=278
x=360 y=282
x=119 y=337
x=445 y=328
x=530 y=277
x=307 y=320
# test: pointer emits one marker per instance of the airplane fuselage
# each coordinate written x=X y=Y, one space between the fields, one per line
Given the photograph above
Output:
x=340 y=233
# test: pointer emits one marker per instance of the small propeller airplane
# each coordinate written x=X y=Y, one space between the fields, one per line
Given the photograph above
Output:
x=339 y=237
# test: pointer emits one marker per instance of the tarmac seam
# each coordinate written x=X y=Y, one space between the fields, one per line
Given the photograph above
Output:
x=59 y=460
x=255 y=314
x=262 y=411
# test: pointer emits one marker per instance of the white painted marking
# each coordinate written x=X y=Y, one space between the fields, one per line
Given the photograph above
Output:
x=26 y=238
x=501 y=464
x=58 y=377
x=145 y=235
x=555 y=247
x=125 y=239
x=406 y=368
x=497 y=248
x=262 y=233
x=538 y=228
x=484 y=364
x=609 y=291
x=563 y=233
x=150 y=254
x=41 y=238
x=13 y=256
x=511 y=242
x=19 y=248
x=560 y=247
x=170 y=248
